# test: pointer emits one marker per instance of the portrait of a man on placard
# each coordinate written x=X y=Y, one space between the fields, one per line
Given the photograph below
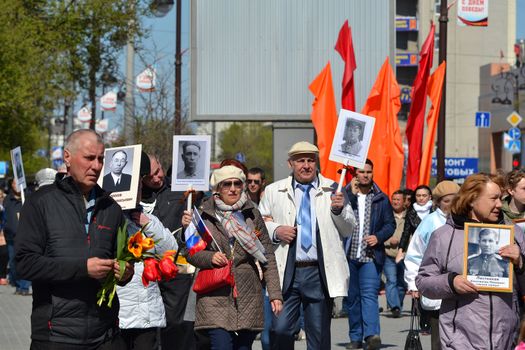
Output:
x=488 y=262
x=353 y=137
x=18 y=165
x=119 y=164
x=191 y=162
x=191 y=166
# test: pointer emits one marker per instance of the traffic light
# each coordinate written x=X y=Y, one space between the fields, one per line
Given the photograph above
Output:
x=516 y=161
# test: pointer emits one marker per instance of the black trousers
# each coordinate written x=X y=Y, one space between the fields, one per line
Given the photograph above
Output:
x=114 y=343
x=434 y=329
x=4 y=258
x=140 y=338
x=178 y=333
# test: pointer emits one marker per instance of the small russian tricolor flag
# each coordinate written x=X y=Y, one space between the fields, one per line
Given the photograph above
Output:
x=197 y=235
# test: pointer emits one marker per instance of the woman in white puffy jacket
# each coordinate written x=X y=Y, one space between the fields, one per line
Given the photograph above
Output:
x=141 y=308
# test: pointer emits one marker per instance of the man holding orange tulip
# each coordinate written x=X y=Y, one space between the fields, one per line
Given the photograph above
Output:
x=67 y=247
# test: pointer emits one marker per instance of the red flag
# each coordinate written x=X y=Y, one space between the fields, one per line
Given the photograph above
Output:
x=435 y=90
x=416 y=117
x=345 y=47
x=324 y=118
x=386 y=146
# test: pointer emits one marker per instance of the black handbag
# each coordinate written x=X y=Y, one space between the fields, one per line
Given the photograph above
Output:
x=413 y=342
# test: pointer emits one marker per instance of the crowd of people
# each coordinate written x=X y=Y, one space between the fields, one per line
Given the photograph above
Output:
x=291 y=246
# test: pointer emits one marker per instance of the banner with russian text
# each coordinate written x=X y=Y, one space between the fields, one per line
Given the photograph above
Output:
x=473 y=13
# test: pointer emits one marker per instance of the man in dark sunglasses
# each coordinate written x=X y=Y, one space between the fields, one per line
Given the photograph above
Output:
x=255 y=185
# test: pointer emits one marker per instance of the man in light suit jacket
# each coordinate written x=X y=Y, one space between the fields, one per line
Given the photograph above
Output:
x=116 y=180
x=307 y=220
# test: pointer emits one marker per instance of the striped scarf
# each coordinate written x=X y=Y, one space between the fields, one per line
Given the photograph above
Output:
x=235 y=225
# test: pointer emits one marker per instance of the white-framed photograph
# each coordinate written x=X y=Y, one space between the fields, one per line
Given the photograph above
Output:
x=121 y=174
x=191 y=162
x=482 y=265
x=352 y=138
x=18 y=168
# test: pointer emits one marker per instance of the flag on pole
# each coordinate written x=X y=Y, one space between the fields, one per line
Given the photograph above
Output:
x=324 y=119
x=416 y=117
x=386 y=147
x=435 y=91
x=197 y=235
x=345 y=47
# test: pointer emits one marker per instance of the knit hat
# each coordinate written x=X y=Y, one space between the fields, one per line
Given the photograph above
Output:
x=444 y=188
x=45 y=176
x=226 y=172
x=303 y=147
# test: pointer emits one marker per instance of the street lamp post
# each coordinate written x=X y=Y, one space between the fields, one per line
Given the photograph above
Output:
x=160 y=8
x=443 y=22
x=178 y=73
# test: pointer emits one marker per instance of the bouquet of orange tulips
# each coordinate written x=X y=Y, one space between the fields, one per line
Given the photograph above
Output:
x=135 y=249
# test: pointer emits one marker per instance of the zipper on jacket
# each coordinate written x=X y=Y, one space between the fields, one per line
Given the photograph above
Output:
x=490 y=324
x=454 y=318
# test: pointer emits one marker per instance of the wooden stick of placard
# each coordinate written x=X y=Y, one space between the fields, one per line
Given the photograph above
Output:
x=190 y=198
x=342 y=178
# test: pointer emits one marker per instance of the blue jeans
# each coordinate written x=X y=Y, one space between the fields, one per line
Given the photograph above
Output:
x=221 y=339
x=268 y=315
x=21 y=285
x=395 y=282
x=362 y=303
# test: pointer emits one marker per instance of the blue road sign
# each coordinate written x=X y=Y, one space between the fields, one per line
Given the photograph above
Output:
x=482 y=119
x=514 y=133
x=457 y=168
x=514 y=146
x=240 y=157
x=3 y=168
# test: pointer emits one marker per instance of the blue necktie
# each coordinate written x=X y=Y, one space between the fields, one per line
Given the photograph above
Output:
x=304 y=218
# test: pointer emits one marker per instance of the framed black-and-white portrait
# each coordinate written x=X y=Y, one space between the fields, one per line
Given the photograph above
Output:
x=352 y=138
x=482 y=265
x=121 y=174
x=18 y=167
x=191 y=162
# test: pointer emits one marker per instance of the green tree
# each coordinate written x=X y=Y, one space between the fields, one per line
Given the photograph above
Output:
x=51 y=48
x=29 y=78
x=96 y=31
x=252 y=139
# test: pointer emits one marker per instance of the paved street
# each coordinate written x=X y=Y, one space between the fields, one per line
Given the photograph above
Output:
x=15 y=330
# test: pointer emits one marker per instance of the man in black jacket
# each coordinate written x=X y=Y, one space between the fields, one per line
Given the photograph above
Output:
x=66 y=246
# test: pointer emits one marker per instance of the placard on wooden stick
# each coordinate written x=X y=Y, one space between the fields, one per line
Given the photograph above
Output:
x=352 y=138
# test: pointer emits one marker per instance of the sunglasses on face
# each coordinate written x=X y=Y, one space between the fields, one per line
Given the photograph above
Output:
x=229 y=184
x=257 y=182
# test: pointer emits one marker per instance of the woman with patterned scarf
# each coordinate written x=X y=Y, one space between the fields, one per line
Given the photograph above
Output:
x=234 y=315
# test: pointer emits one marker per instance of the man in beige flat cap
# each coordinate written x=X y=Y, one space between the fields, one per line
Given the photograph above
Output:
x=307 y=220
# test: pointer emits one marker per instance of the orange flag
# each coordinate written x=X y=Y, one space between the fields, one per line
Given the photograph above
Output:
x=434 y=90
x=386 y=147
x=324 y=118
